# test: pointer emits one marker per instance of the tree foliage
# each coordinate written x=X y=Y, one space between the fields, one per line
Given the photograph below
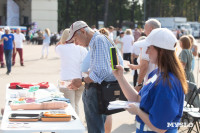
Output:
x=92 y=11
x=173 y=8
x=121 y=11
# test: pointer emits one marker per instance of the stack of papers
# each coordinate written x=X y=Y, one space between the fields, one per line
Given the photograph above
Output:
x=121 y=104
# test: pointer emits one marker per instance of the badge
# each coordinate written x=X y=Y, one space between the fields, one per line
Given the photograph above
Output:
x=152 y=79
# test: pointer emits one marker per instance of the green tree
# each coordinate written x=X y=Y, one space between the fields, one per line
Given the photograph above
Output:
x=92 y=11
x=174 y=8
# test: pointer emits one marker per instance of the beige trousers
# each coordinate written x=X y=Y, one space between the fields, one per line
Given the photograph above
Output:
x=74 y=96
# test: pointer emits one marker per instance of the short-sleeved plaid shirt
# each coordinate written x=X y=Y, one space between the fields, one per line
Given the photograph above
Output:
x=100 y=69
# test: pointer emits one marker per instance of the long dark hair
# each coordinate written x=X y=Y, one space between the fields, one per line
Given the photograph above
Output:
x=169 y=62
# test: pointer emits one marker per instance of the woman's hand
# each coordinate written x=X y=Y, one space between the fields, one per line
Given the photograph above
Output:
x=133 y=109
x=75 y=84
x=119 y=72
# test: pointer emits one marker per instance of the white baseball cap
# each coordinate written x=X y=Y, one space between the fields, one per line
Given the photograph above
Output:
x=75 y=27
x=6 y=28
x=160 y=37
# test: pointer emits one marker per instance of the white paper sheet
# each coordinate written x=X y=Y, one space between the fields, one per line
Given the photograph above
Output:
x=121 y=104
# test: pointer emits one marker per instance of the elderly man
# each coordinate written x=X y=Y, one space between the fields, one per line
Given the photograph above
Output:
x=9 y=46
x=100 y=71
x=19 y=39
x=146 y=66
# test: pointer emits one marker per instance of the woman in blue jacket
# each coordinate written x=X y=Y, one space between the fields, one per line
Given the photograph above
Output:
x=162 y=97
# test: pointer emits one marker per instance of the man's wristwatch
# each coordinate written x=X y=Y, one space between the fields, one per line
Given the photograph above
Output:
x=139 y=84
x=83 y=80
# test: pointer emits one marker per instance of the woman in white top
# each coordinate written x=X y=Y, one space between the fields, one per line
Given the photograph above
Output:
x=119 y=43
x=71 y=57
x=127 y=41
x=194 y=49
x=46 y=42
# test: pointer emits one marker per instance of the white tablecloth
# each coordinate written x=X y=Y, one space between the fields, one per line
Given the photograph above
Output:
x=73 y=126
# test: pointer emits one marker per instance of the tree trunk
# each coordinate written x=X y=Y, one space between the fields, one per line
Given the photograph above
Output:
x=106 y=12
x=120 y=14
x=132 y=14
x=97 y=18
x=67 y=13
x=145 y=9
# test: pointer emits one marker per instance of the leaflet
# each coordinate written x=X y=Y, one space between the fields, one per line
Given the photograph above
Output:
x=121 y=104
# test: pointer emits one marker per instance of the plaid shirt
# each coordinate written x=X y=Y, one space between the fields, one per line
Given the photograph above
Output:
x=100 y=69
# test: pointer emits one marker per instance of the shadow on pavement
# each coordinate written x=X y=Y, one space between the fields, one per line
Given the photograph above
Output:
x=126 y=128
x=31 y=60
x=54 y=58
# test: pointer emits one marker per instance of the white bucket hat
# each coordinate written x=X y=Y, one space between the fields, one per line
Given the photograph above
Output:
x=160 y=37
x=75 y=27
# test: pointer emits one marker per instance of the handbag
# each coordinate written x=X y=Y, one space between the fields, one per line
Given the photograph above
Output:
x=107 y=92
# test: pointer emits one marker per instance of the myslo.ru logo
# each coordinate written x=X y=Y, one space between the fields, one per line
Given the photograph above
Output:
x=179 y=124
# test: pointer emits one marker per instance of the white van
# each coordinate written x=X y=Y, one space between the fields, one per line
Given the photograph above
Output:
x=175 y=23
x=195 y=29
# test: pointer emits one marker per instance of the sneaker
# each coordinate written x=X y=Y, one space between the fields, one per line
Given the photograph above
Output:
x=13 y=64
x=22 y=64
x=2 y=66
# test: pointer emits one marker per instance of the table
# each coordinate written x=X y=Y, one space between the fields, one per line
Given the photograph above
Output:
x=52 y=88
x=73 y=126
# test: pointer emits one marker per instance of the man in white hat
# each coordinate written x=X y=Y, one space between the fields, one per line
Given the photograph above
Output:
x=9 y=46
x=100 y=71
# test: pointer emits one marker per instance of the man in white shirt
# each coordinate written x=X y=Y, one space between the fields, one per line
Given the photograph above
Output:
x=1 y=49
x=19 y=39
x=146 y=66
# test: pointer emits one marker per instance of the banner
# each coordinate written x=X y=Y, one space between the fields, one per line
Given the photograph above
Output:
x=12 y=13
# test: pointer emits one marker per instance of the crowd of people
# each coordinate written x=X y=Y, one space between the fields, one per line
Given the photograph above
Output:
x=159 y=74
x=11 y=43
x=161 y=83
x=37 y=37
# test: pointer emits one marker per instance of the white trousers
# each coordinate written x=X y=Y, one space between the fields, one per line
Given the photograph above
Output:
x=45 y=46
x=74 y=96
